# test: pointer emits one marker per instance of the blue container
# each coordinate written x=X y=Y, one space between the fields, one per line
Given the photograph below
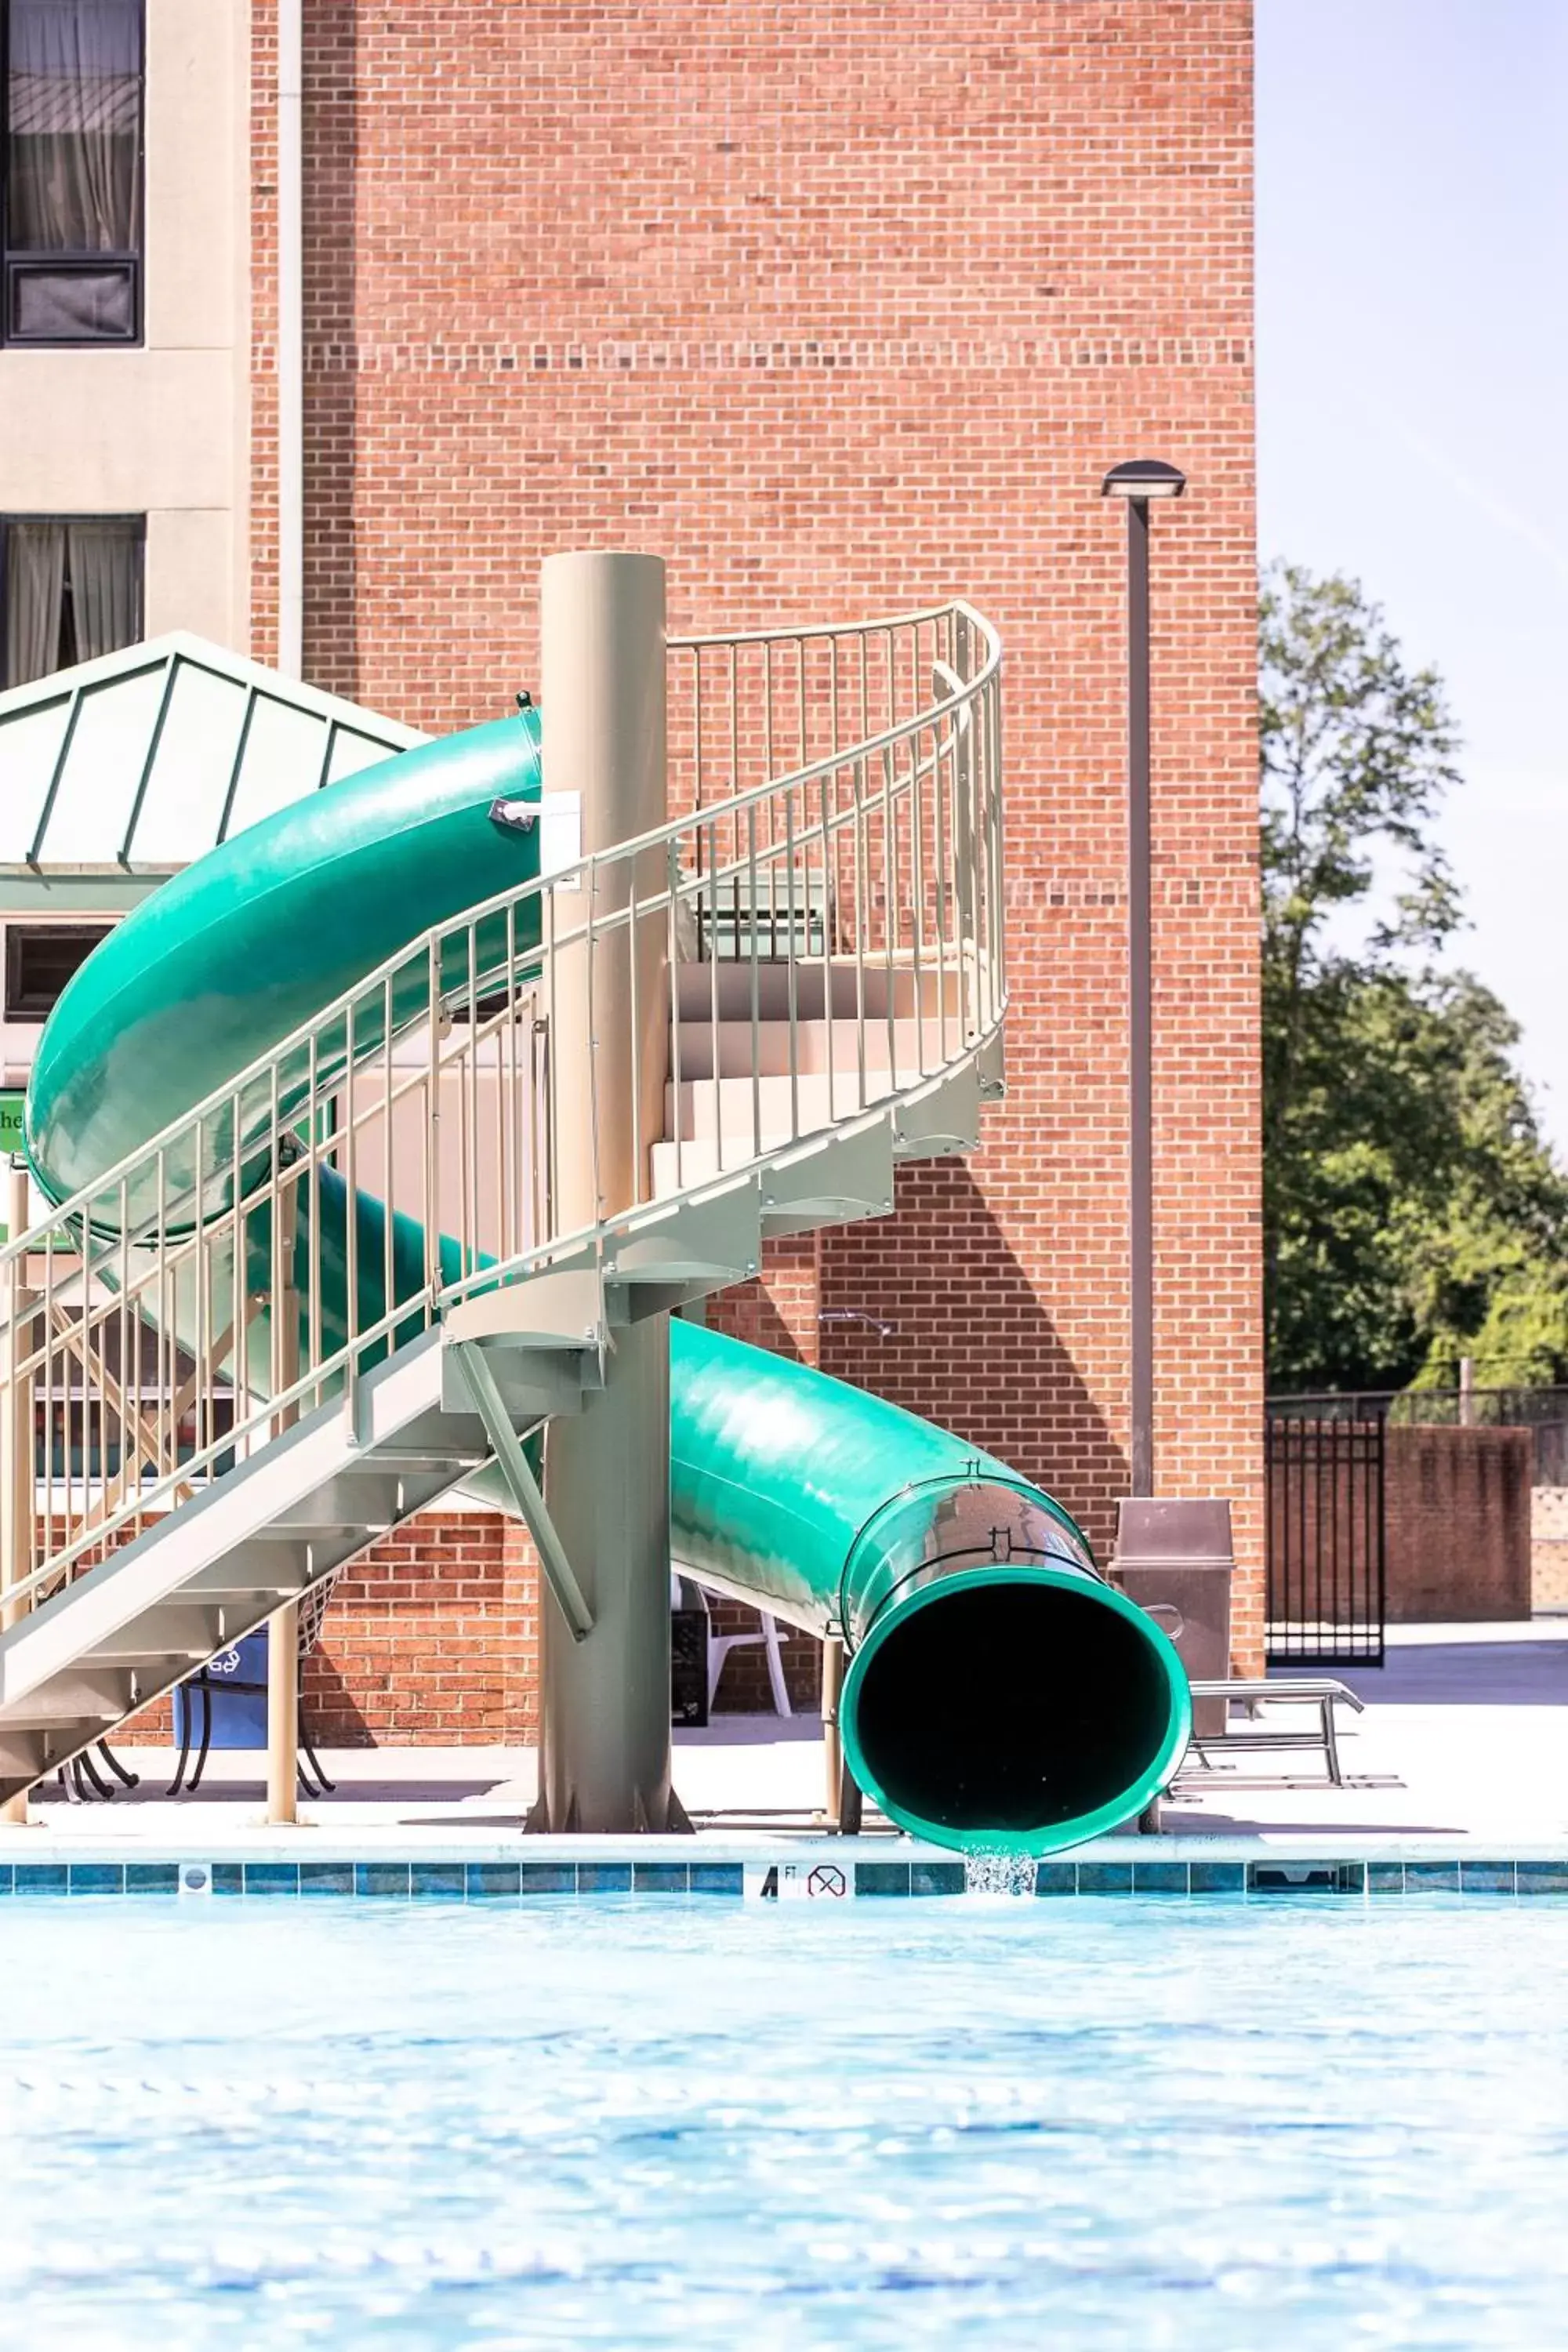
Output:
x=238 y=1713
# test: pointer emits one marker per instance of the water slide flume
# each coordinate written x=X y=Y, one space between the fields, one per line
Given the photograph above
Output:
x=999 y=1692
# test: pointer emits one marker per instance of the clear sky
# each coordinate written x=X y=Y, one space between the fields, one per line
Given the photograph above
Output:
x=1413 y=410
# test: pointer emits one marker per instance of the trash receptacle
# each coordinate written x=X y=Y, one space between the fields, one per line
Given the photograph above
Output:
x=1176 y=1560
x=688 y=1654
x=235 y=1688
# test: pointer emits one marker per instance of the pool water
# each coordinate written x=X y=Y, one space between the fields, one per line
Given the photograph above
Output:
x=1104 y=2123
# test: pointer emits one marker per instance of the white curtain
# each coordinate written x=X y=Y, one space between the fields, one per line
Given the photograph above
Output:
x=104 y=561
x=74 y=125
x=35 y=588
x=73 y=590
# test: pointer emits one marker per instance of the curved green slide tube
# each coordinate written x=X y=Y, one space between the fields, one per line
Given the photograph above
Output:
x=999 y=1693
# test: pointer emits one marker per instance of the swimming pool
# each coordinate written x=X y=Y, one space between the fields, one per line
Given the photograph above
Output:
x=647 y=2123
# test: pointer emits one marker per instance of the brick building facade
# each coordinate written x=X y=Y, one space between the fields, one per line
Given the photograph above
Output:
x=841 y=309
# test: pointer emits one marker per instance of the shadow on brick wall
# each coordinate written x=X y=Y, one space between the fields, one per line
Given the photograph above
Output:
x=330 y=1710
x=778 y=1312
x=971 y=1344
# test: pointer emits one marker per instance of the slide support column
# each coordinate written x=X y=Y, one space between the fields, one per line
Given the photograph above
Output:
x=604 y=1750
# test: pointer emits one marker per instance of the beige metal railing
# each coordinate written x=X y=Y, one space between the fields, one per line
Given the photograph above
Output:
x=139 y=1358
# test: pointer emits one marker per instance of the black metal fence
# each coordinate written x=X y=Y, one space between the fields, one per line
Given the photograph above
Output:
x=1325 y=1537
x=1544 y=1411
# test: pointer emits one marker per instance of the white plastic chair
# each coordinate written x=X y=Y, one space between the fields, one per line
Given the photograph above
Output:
x=720 y=1644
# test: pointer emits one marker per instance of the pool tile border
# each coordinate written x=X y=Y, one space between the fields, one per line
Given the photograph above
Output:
x=391 y=1877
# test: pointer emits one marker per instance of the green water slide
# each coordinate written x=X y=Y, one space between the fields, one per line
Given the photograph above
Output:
x=999 y=1692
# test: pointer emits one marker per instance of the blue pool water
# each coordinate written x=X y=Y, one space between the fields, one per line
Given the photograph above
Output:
x=1098 y=2124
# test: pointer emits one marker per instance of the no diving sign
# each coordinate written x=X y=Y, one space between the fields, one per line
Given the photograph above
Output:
x=796 y=1881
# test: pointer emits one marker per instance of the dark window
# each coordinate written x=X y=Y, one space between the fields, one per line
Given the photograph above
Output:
x=70 y=193
x=70 y=589
x=39 y=959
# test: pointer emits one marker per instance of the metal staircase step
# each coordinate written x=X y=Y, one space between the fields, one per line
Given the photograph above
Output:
x=103 y=1696
x=557 y=1310
x=412 y=1461
x=257 y=1570
x=669 y=1252
x=727 y=989
x=98 y=1698
x=911 y=1047
x=190 y=1635
x=776 y=1109
x=677 y=1167
x=941 y=1118
x=834 y=1178
x=304 y=1521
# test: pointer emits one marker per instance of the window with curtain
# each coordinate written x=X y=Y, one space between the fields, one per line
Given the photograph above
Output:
x=72 y=588
x=71 y=191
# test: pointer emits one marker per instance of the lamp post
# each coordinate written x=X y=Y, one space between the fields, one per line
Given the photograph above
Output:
x=1136 y=482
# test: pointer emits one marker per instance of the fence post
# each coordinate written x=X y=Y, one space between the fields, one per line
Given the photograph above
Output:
x=1467 y=1391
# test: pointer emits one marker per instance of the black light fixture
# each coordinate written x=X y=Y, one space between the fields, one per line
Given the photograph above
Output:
x=1144 y=478
x=1136 y=481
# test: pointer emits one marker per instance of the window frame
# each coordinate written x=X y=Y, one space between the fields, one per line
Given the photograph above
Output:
x=139 y=533
x=17 y=263
x=18 y=931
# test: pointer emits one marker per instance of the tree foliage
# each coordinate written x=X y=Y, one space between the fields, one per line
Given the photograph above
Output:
x=1412 y=1213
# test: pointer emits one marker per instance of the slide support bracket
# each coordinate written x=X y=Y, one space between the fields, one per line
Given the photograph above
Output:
x=523 y=1487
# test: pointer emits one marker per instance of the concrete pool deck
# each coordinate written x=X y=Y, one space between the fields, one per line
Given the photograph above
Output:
x=1462 y=1754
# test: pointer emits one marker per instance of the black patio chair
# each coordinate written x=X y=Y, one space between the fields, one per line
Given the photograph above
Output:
x=204 y=1684
x=81 y=1782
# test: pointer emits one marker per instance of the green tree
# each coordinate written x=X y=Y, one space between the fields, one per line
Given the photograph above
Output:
x=1412 y=1213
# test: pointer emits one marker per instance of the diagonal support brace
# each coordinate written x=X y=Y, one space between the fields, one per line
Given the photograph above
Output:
x=523 y=1487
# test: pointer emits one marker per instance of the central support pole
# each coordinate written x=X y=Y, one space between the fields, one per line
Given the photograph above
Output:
x=1141 y=1000
x=605 y=1754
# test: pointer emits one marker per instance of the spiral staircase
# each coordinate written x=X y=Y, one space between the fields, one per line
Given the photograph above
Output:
x=192 y=1436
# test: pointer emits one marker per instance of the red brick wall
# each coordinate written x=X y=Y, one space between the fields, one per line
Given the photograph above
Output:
x=1457 y=1514
x=840 y=308
x=431 y=1637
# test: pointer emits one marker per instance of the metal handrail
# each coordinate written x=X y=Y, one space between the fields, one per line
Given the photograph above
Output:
x=405 y=1089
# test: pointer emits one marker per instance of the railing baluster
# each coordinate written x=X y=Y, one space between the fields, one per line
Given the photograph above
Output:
x=634 y=1009
x=432 y=1154
x=467 y=1074
x=388 y=1151
x=672 y=920
x=755 y=984
x=794 y=969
